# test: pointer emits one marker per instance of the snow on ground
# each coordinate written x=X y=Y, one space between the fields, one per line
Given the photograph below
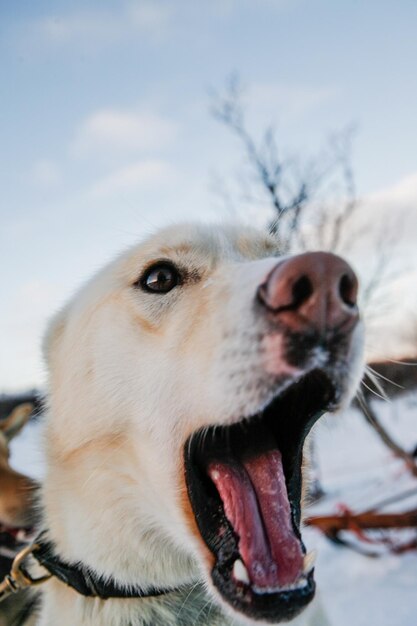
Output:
x=357 y=471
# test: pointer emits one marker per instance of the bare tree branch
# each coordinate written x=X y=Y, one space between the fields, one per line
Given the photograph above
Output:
x=314 y=210
x=270 y=170
x=372 y=419
x=292 y=197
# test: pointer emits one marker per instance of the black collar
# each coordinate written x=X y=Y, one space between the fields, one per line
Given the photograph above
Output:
x=83 y=580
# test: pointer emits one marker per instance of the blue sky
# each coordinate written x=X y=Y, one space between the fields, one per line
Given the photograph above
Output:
x=106 y=132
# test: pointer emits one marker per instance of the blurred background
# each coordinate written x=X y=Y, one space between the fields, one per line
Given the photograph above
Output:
x=298 y=116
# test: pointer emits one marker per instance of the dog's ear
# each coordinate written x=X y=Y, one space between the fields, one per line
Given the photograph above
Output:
x=14 y=423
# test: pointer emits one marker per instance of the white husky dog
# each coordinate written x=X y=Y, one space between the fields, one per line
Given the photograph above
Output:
x=183 y=380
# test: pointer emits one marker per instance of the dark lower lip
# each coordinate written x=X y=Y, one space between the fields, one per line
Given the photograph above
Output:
x=298 y=408
x=272 y=607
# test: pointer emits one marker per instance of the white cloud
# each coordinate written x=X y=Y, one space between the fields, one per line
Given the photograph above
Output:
x=402 y=195
x=122 y=132
x=134 y=176
x=98 y=27
x=46 y=173
x=386 y=226
x=390 y=216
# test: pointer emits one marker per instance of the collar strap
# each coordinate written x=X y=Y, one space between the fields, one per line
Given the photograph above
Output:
x=85 y=581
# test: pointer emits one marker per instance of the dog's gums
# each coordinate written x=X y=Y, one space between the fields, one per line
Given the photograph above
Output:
x=244 y=483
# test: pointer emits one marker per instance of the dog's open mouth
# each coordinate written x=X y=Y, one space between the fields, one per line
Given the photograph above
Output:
x=244 y=484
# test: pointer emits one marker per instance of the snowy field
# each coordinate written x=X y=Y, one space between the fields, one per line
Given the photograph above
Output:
x=357 y=471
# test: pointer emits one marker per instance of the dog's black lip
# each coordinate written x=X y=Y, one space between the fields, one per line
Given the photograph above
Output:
x=272 y=607
x=295 y=422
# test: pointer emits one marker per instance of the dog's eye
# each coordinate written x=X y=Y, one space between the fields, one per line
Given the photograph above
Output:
x=160 y=278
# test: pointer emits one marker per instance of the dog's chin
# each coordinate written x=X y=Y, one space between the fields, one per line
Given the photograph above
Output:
x=244 y=484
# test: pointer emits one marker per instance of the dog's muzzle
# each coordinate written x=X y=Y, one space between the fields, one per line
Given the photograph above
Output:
x=244 y=480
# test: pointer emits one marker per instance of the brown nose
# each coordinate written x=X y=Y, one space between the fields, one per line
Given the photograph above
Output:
x=312 y=290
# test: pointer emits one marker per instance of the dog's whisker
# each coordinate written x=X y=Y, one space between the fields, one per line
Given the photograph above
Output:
x=192 y=588
x=375 y=393
x=368 y=369
x=205 y=605
x=409 y=364
x=374 y=380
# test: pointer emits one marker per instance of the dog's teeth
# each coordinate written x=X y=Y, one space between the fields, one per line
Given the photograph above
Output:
x=309 y=561
x=240 y=572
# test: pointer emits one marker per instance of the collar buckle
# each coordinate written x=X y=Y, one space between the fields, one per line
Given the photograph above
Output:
x=19 y=578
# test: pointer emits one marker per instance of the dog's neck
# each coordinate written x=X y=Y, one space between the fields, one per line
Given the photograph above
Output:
x=96 y=513
x=189 y=607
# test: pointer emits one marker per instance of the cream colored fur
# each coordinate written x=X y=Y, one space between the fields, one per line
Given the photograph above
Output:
x=131 y=376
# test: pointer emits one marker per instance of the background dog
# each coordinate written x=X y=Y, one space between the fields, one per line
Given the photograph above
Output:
x=184 y=378
x=17 y=514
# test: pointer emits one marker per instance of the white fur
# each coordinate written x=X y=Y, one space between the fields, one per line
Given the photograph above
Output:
x=132 y=375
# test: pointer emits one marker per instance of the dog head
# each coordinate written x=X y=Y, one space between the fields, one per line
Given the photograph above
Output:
x=17 y=490
x=184 y=378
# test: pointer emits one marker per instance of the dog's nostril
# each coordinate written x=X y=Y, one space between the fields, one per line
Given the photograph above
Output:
x=302 y=289
x=348 y=290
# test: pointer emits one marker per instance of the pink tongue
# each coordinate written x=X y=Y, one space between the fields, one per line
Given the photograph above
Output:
x=255 y=501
